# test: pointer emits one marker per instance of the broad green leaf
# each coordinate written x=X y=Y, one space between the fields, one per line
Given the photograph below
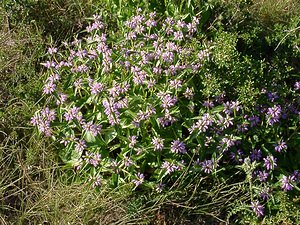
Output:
x=110 y=135
x=89 y=138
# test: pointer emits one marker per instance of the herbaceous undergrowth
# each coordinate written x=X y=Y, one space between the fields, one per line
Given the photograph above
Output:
x=147 y=103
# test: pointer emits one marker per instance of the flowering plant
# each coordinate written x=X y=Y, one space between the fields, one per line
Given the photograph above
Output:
x=146 y=103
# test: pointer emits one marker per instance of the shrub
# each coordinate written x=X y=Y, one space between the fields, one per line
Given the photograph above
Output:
x=158 y=99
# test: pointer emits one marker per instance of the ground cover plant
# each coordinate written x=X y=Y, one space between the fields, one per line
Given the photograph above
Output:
x=168 y=114
x=147 y=104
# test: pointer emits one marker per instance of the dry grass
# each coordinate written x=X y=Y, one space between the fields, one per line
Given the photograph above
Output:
x=41 y=192
x=265 y=12
x=274 y=11
x=74 y=204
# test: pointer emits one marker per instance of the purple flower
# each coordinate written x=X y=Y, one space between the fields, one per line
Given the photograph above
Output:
x=208 y=141
x=280 y=146
x=170 y=167
x=44 y=127
x=152 y=15
x=53 y=78
x=159 y=187
x=176 y=84
x=202 y=124
x=178 y=146
x=49 y=64
x=256 y=155
x=52 y=51
x=111 y=110
x=208 y=166
x=96 y=87
x=230 y=106
x=171 y=46
x=48 y=115
x=167 y=120
x=272 y=96
x=151 y=83
x=265 y=194
x=158 y=143
x=35 y=120
x=78 y=83
x=168 y=101
x=127 y=161
x=227 y=142
x=191 y=28
x=139 y=75
x=196 y=67
x=180 y=24
x=254 y=120
x=95 y=26
x=94 y=159
x=82 y=68
x=237 y=157
x=81 y=53
x=189 y=93
x=49 y=88
x=225 y=122
x=270 y=162
x=96 y=181
x=43 y=120
x=297 y=85
x=61 y=98
x=208 y=104
x=157 y=70
x=203 y=54
x=242 y=128
x=139 y=29
x=145 y=115
x=263 y=176
x=102 y=47
x=286 y=183
x=93 y=128
x=139 y=180
x=78 y=165
x=132 y=141
x=80 y=145
x=273 y=114
x=195 y=20
x=169 y=21
x=257 y=208
x=168 y=57
x=178 y=35
x=73 y=113
x=295 y=176
x=150 y=23
x=131 y=35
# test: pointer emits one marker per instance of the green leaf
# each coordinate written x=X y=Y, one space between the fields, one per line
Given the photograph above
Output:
x=110 y=135
x=115 y=179
x=89 y=138
x=70 y=156
x=217 y=109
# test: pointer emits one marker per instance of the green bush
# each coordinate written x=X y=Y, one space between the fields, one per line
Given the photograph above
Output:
x=158 y=102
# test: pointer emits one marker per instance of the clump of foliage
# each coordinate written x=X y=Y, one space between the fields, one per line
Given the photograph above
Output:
x=159 y=100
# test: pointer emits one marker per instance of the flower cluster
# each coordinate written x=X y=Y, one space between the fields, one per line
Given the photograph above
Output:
x=43 y=121
x=139 y=109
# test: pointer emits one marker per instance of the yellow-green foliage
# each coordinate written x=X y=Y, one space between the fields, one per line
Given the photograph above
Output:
x=274 y=11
